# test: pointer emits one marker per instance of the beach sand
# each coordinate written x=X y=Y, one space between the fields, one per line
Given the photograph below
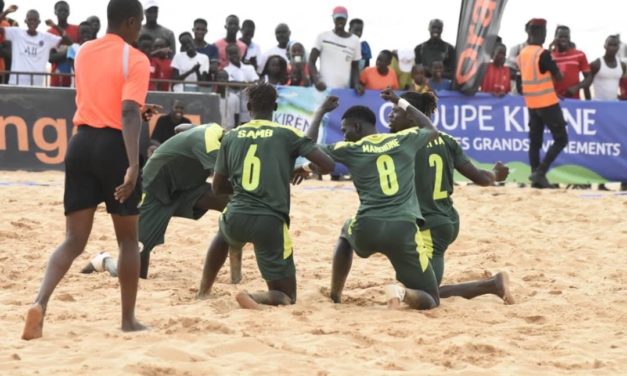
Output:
x=565 y=252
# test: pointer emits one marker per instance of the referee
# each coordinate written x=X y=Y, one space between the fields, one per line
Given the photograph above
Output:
x=102 y=161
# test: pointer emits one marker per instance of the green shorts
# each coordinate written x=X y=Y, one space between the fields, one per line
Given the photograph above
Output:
x=401 y=243
x=270 y=237
x=436 y=241
x=154 y=215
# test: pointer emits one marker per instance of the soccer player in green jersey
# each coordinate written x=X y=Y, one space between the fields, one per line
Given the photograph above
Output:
x=382 y=168
x=435 y=166
x=255 y=164
x=174 y=184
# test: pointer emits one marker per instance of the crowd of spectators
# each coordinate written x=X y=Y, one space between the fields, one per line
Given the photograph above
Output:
x=339 y=58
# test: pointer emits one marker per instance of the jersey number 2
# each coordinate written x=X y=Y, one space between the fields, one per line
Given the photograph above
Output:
x=436 y=161
x=387 y=175
x=252 y=169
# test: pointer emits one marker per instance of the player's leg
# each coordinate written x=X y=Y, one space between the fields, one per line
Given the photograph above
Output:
x=342 y=263
x=154 y=218
x=210 y=201
x=78 y=228
x=235 y=264
x=216 y=256
x=497 y=285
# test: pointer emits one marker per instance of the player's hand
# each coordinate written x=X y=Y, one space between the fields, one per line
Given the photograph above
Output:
x=320 y=85
x=298 y=175
x=330 y=103
x=149 y=110
x=389 y=95
x=500 y=171
x=151 y=150
x=359 y=89
x=124 y=191
x=182 y=128
x=11 y=9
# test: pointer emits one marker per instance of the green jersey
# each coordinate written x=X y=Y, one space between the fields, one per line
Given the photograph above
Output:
x=435 y=166
x=183 y=162
x=382 y=169
x=258 y=158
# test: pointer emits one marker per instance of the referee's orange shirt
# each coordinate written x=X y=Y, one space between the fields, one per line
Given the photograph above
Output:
x=108 y=71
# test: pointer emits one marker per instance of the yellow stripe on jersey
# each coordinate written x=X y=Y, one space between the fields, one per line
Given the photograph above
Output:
x=423 y=258
x=213 y=134
x=287 y=242
x=427 y=242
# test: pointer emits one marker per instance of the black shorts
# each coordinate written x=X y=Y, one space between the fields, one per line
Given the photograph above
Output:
x=95 y=164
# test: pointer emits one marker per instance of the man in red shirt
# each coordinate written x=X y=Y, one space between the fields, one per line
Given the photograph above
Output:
x=570 y=62
x=162 y=61
x=58 y=57
x=497 y=79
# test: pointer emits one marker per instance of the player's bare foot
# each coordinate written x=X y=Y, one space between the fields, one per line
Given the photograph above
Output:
x=394 y=303
x=33 y=328
x=502 y=287
x=133 y=326
x=395 y=295
x=246 y=301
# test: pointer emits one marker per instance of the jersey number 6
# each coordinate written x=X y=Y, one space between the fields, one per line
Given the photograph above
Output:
x=252 y=169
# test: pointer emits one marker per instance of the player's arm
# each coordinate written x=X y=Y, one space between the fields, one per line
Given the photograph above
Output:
x=221 y=184
x=413 y=113
x=547 y=64
x=482 y=177
x=320 y=163
x=330 y=103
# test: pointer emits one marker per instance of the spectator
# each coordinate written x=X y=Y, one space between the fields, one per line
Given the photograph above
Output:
x=512 y=62
x=339 y=52
x=299 y=71
x=151 y=27
x=419 y=83
x=607 y=71
x=214 y=67
x=85 y=34
x=623 y=88
x=200 y=30
x=239 y=72
x=95 y=25
x=356 y=27
x=437 y=81
x=161 y=59
x=282 y=34
x=58 y=56
x=253 y=51
x=380 y=76
x=189 y=66
x=232 y=27
x=570 y=62
x=275 y=71
x=145 y=44
x=435 y=49
x=229 y=102
x=30 y=49
x=164 y=129
x=402 y=63
x=498 y=78
x=5 y=46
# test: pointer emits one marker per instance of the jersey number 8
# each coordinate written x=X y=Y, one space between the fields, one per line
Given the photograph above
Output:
x=387 y=175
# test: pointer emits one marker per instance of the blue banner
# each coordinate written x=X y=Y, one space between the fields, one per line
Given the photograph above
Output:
x=492 y=129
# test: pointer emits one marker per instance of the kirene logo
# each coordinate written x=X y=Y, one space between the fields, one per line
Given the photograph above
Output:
x=467 y=62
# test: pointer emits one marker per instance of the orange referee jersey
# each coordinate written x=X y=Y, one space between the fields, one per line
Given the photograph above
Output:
x=108 y=71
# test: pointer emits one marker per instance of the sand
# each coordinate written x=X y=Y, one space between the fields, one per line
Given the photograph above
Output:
x=564 y=252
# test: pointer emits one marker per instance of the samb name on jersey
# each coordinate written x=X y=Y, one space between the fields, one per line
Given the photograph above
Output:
x=255 y=134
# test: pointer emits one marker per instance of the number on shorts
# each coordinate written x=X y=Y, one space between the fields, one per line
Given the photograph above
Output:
x=387 y=175
x=252 y=169
x=436 y=161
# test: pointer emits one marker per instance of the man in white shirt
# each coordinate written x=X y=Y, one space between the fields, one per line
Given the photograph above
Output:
x=229 y=103
x=30 y=50
x=239 y=72
x=339 y=52
x=253 y=51
x=189 y=65
x=282 y=34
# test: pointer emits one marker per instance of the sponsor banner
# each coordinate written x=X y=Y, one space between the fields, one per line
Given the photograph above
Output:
x=36 y=123
x=492 y=129
x=479 y=23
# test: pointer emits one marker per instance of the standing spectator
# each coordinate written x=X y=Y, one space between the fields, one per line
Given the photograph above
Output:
x=30 y=49
x=85 y=34
x=189 y=65
x=145 y=44
x=229 y=102
x=536 y=69
x=435 y=49
x=607 y=71
x=164 y=129
x=275 y=71
x=498 y=77
x=570 y=62
x=152 y=28
x=239 y=72
x=232 y=27
x=339 y=52
x=200 y=30
x=402 y=63
x=5 y=46
x=356 y=27
x=437 y=81
x=512 y=63
x=299 y=70
x=282 y=34
x=214 y=67
x=253 y=51
x=95 y=25
x=161 y=60
x=380 y=76
x=420 y=84
x=58 y=56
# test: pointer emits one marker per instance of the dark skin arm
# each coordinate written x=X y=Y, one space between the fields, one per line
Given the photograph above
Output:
x=221 y=184
x=413 y=113
x=584 y=84
x=131 y=126
x=359 y=88
x=481 y=177
x=313 y=71
x=182 y=76
x=330 y=103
